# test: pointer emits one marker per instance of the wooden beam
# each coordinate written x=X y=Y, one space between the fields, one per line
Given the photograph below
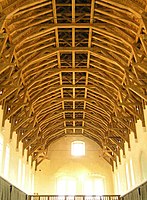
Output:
x=137 y=91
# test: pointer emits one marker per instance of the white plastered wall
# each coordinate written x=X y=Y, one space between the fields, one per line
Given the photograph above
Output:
x=135 y=160
x=61 y=163
x=22 y=181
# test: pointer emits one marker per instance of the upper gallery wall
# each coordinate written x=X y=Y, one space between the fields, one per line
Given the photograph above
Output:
x=77 y=67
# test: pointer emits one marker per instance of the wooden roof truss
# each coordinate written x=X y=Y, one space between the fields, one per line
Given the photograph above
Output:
x=77 y=67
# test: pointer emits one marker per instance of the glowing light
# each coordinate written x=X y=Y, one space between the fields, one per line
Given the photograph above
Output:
x=88 y=187
x=132 y=173
x=19 y=171
x=1 y=150
x=94 y=186
x=66 y=185
x=78 y=148
x=7 y=158
x=128 y=176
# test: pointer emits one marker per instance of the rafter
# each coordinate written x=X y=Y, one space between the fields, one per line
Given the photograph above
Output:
x=73 y=72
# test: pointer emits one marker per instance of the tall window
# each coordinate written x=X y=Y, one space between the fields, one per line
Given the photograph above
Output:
x=94 y=186
x=23 y=174
x=88 y=189
x=66 y=186
x=32 y=182
x=128 y=176
x=118 y=183
x=7 y=159
x=19 y=171
x=132 y=173
x=78 y=148
x=1 y=152
x=143 y=165
x=99 y=186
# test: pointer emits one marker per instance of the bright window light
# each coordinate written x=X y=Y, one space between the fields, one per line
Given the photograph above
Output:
x=132 y=173
x=118 y=183
x=88 y=187
x=1 y=148
x=128 y=176
x=71 y=187
x=7 y=158
x=99 y=187
x=94 y=186
x=66 y=186
x=1 y=151
x=61 y=187
x=32 y=186
x=23 y=174
x=19 y=171
x=78 y=148
x=30 y=180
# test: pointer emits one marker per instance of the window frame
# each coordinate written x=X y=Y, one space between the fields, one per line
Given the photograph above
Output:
x=76 y=144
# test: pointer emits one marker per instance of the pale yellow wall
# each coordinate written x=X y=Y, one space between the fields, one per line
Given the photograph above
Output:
x=26 y=185
x=138 y=155
x=61 y=163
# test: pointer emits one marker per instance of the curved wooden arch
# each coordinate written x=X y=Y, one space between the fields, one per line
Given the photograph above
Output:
x=61 y=71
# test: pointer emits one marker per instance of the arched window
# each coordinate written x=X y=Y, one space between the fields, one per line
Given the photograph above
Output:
x=132 y=173
x=128 y=176
x=7 y=159
x=78 y=148
x=23 y=174
x=19 y=172
x=1 y=152
x=94 y=186
x=66 y=185
x=143 y=164
x=118 y=182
